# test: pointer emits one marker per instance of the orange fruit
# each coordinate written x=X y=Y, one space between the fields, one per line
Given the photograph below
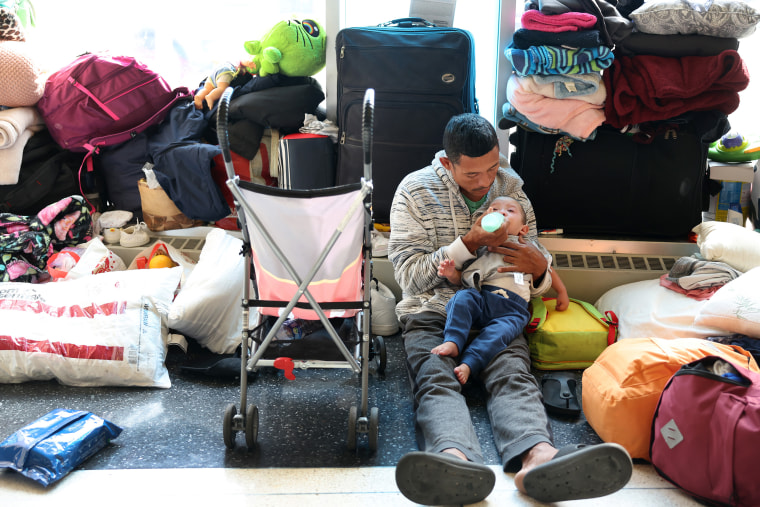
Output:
x=161 y=261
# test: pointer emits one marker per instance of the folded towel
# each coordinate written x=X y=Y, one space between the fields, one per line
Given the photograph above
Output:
x=16 y=120
x=17 y=125
x=565 y=22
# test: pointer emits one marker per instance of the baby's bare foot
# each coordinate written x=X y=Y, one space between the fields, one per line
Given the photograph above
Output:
x=446 y=349
x=463 y=373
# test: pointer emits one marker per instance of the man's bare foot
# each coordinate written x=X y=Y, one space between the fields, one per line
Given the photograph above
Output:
x=446 y=349
x=536 y=455
x=463 y=373
x=456 y=452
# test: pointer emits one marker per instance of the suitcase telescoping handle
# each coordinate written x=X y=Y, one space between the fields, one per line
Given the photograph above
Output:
x=407 y=22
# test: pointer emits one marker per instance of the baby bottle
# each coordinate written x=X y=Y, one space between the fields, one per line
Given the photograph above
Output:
x=492 y=221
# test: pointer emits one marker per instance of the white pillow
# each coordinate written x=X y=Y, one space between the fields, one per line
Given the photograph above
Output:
x=208 y=306
x=107 y=329
x=730 y=243
x=717 y=18
x=646 y=309
x=735 y=307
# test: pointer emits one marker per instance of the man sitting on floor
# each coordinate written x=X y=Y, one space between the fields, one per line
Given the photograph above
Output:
x=436 y=215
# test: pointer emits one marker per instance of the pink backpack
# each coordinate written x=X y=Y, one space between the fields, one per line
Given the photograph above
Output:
x=103 y=100
x=706 y=432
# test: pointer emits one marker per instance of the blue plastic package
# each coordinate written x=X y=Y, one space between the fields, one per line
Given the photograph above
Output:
x=56 y=443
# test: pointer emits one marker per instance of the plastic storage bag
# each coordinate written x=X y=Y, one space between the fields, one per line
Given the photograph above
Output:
x=56 y=443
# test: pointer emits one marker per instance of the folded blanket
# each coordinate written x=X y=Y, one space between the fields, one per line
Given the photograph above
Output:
x=576 y=117
x=17 y=125
x=586 y=87
x=565 y=22
x=692 y=273
x=523 y=39
x=558 y=60
x=646 y=88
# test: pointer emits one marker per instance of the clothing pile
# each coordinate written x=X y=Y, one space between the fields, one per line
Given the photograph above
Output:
x=26 y=243
x=698 y=278
x=558 y=57
x=579 y=64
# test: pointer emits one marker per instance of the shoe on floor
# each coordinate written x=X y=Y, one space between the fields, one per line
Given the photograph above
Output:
x=441 y=479
x=383 y=319
x=559 y=394
x=379 y=244
x=135 y=235
x=580 y=471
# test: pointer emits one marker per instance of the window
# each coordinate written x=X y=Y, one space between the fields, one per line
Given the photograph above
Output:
x=185 y=40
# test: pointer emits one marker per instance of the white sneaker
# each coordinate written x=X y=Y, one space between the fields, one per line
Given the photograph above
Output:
x=379 y=244
x=383 y=320
x=135 y=235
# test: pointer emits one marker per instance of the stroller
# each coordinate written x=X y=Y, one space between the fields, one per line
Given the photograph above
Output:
x=308 y=260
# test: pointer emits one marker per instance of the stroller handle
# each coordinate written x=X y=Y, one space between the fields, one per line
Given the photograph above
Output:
x=222 y=132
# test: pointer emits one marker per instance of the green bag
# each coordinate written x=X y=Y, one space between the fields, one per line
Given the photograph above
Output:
x=568 y=340
x=23 y=9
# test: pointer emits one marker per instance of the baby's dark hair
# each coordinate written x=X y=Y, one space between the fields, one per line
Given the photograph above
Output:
x=470 y=135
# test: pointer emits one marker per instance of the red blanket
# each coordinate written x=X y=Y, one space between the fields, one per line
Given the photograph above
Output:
x=645 y=88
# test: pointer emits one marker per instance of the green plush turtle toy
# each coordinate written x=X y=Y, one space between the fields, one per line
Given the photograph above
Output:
x=290 y=48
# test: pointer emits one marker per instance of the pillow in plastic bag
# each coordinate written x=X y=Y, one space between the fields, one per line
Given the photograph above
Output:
x=56 y=443
x=104 y=330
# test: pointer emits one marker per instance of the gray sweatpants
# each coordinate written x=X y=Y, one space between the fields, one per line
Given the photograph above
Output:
x=515 y=407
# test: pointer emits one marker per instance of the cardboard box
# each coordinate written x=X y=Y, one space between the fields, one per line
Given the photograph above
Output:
x=732 y=204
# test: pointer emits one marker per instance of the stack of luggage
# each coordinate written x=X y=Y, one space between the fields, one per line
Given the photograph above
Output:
x=635 y=103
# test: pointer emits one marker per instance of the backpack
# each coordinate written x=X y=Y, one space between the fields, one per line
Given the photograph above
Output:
x=567 y=340
x=48 y=174
x=621 y=389
x=102 y=100
x=706 y=432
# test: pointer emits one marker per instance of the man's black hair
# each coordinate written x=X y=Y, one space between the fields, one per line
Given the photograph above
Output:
x=470 y=135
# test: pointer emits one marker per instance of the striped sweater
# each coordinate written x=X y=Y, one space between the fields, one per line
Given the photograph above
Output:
x=428 y=218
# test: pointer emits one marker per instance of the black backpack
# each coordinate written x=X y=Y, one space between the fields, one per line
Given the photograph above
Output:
x=48 y=174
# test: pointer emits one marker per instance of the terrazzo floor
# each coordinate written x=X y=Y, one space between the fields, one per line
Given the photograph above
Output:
x=174 y=436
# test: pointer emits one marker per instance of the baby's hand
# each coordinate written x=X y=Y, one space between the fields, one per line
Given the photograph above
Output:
x=446 y=268
x=563 y=301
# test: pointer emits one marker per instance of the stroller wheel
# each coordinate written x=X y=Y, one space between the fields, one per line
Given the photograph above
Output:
x=379 y=354
x=352 y=418
x=374 y=423
x=229 y=434
x=251 y=425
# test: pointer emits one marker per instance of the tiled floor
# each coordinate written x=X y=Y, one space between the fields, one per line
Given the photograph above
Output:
x=171 y=451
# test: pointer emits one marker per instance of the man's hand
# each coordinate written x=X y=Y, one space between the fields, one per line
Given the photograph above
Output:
x=477 y=236
x=524 y=256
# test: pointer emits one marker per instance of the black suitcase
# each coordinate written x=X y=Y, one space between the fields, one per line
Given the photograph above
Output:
x=620 y=184
x=422 y=76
